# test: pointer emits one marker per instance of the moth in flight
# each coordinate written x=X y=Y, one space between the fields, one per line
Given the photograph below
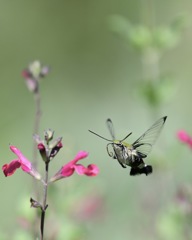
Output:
x=133 y=155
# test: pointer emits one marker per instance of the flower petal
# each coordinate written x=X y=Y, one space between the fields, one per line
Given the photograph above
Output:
x=26 y=164
x=183 y=136
x=9 y=169
x=190 y=142
x=80 y=155
x=67 y=170
x=91 y=170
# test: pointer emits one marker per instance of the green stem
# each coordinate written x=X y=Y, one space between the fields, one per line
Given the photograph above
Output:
x=36 y=124
x=44 y=207
x=37 y=101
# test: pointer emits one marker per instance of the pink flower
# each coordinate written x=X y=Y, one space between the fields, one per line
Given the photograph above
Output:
x=185 y=137
x=22 y=162
x=68 y=169
x=33 y=73
x=31 y=83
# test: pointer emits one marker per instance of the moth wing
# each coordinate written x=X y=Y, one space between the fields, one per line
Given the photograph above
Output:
x=110 y=127
x=144 y=144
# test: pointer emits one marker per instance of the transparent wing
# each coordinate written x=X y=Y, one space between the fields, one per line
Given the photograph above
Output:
x=144 y=144
x=110 y=127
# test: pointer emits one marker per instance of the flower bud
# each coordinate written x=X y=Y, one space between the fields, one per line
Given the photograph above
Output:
x=43 y=152
x=48 y=135
x=55 y=146
x=55 y=142
x=35 y=69
x=44 y=71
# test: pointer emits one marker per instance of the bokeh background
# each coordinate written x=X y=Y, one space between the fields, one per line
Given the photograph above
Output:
x=127 y=60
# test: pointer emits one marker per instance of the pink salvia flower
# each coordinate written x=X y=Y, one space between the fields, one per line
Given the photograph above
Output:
x=68 y=169
x=185 y=137
x=22 y=162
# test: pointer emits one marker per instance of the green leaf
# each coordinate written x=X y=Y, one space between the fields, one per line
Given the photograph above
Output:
x=165 y=37
x=137 y=36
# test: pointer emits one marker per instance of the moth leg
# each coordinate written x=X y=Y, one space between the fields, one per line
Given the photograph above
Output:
x=122 y=165
x=115 y=157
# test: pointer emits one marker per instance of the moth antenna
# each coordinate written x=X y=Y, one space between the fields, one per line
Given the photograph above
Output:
x=99 y=136
x=126 y=137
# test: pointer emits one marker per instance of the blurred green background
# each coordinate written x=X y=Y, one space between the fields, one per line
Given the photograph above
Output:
x=95 y=74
